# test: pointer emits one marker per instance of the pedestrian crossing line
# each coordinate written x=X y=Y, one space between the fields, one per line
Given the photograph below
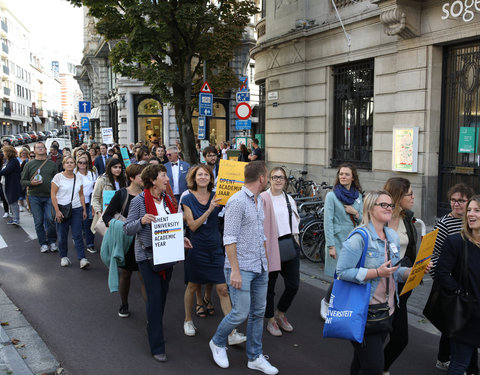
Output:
x=3 y=244
x=27 y=224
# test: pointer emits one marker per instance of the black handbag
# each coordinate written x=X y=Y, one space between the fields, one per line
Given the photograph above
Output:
x=286 y=244
x=66 y=209
x=450 y=310
x=378 y=318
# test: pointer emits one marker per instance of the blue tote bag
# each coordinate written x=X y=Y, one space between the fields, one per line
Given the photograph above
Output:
x=348 y=307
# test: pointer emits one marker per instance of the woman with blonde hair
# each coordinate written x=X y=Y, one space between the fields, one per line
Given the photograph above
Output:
x=69 y=205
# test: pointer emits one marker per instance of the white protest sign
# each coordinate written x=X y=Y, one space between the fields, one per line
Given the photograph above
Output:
x=107 y=136
x=167 y=239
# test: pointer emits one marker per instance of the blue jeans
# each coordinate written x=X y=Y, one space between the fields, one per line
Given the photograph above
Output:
x=75 y=221
x=86 y=224
x=247 y=302
x=41 y=208
x=461 y=354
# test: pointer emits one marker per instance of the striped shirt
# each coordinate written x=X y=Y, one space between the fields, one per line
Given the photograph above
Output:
x=244 y=227
x=447 y=225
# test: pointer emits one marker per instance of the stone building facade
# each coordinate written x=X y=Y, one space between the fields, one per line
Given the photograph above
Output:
x=340 y=76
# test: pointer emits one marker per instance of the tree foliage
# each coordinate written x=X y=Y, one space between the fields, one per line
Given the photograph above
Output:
x=165 y=42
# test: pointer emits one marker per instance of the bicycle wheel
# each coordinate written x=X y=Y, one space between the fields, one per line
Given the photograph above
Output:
x=312 y=242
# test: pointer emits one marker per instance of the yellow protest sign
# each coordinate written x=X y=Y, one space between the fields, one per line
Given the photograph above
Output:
x=230 y=179
x=421 y=261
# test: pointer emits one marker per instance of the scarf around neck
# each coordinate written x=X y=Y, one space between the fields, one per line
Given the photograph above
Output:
x=150 y=203
x=346 y=196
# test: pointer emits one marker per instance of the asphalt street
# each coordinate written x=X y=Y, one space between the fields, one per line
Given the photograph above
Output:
x=76 y=316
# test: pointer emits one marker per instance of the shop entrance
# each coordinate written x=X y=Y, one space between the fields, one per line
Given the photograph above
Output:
x=149 y=119
x=459 y=156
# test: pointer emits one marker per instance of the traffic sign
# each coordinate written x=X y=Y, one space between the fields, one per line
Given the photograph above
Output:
x=243 y=111
x=244 y=83
x=201 y=127
x=84 y=107
x=243 y=96
x=85 y=127
x=206 y=88
x=205 y=104
x=243 y=124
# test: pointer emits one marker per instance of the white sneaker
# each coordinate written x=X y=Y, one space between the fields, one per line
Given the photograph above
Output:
x=44 y=248
x=53 y=247
x=219 y=355
x=21 y=209
x=262 y=364
x=236 y=338
x=189 y=328
x=65 y=262
x=323 y=309
x=84 y=263
x=5 y=215
x=442 y=365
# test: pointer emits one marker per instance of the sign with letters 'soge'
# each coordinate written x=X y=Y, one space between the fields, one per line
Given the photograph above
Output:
x=230 y=179
x=167 y=239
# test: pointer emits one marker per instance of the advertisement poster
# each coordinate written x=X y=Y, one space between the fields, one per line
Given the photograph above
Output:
x=107 y=197
x=467 y=142
x=107 y=136
x=405 y=149
x=230 y=179
x=125 y=157
x=167 y=239
x=421 y=261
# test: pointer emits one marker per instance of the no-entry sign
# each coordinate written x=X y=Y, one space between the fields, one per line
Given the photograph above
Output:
x=243 y=111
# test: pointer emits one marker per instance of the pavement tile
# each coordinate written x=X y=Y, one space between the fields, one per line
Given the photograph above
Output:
x=13 y=317
x=11 y=362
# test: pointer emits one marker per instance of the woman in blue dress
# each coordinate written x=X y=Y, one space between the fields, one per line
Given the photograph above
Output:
x=204 y=263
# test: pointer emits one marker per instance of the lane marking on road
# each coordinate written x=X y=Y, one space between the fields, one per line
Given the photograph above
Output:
x=3 y=244
x=27 y=224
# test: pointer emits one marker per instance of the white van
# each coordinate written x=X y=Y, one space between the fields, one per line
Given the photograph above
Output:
x=62 y=143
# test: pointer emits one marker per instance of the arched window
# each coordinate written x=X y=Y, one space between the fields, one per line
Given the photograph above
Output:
x=150 y=120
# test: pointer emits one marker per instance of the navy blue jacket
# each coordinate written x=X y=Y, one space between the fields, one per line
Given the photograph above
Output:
x=98 y=163
x=182 y=182
x=13 y=188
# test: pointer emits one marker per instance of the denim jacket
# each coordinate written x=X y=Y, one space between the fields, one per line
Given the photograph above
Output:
x=352 y=251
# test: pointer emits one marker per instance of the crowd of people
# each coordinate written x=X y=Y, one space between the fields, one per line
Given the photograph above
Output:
x=241 y=248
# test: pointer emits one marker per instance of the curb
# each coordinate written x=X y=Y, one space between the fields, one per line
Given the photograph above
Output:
x=22 y=351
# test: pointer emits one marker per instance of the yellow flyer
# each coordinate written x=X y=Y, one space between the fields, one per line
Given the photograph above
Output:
x=230 y=179
x=421 y=262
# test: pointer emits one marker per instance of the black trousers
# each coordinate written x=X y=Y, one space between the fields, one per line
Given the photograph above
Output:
x=398 y=340
x=290 y=272
x=367 y=356
x=156 y=286
x=444 y=355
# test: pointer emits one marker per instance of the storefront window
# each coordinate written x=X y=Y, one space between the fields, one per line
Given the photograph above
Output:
x=150 y=120
x=217 y=124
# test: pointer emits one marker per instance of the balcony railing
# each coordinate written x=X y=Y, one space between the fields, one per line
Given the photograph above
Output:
x=4 y=48
x=4 y=26
x=6 y=91
x=345 y=3
x=260 y=27
x=6 y=69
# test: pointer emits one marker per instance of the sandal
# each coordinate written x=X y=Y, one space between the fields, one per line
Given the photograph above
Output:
x=200 y=311
x=207 y=302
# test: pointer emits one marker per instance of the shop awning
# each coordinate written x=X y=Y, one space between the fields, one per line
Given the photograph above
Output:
x=37 y=120
x=95 y=114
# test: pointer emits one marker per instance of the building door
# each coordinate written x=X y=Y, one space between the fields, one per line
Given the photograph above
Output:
x=148 y=119
x=459 y=153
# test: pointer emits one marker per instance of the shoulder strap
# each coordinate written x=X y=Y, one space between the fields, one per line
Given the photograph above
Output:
x=124 y=196
x=73 y=189
x=364 y=234
x=289 y=211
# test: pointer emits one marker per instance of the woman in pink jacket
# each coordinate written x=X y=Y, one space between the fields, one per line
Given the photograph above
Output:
x=281 y=224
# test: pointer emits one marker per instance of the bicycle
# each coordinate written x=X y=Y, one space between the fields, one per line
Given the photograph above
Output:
x=312 y=234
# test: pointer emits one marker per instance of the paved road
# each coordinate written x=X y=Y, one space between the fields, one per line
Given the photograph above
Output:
x=76 y=316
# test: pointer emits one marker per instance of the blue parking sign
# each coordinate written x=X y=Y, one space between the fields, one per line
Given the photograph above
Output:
x=85 y=124
x=243 y=124
x=205 y=104
x=84 y=107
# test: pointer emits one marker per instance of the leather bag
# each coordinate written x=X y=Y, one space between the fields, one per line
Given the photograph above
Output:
x=450 y=311
x=286 y=244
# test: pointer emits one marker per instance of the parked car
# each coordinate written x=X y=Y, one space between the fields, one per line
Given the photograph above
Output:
x=11 y=139
x=41 y=136
x=48 y=134
x=28 y=138
x=20 y=139
x=54 y=132
x=33 y=135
